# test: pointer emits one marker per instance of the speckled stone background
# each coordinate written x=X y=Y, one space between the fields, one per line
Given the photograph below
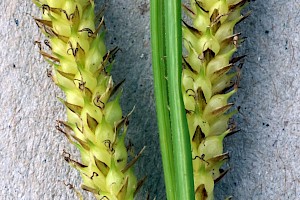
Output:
x=264 y=154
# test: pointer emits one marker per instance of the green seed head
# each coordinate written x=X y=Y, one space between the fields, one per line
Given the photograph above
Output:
x=95 y=122
x=208 y=82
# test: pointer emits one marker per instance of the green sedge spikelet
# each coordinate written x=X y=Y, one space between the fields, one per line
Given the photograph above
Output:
x=208 y=81
x=95 y=123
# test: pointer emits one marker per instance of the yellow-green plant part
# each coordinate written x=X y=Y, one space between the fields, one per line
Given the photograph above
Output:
x=208 y=81
x=95 y=124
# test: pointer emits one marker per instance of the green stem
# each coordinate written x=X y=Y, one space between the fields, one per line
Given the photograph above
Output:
x=180 y=132
x=161 y=94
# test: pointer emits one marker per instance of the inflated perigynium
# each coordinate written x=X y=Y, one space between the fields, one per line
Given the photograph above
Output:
x=95 y=124
x=208 y=81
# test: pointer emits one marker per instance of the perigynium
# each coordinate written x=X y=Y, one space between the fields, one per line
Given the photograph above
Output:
x=95 y=124
x=209 y=79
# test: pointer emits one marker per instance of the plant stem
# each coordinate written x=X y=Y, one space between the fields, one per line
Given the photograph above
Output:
x=180 y=132
x=161 y=94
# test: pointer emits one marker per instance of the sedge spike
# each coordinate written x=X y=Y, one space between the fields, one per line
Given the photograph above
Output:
x=95 y=124
x=208 y=81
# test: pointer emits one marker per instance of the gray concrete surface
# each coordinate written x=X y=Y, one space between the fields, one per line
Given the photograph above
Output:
x=264 y=154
